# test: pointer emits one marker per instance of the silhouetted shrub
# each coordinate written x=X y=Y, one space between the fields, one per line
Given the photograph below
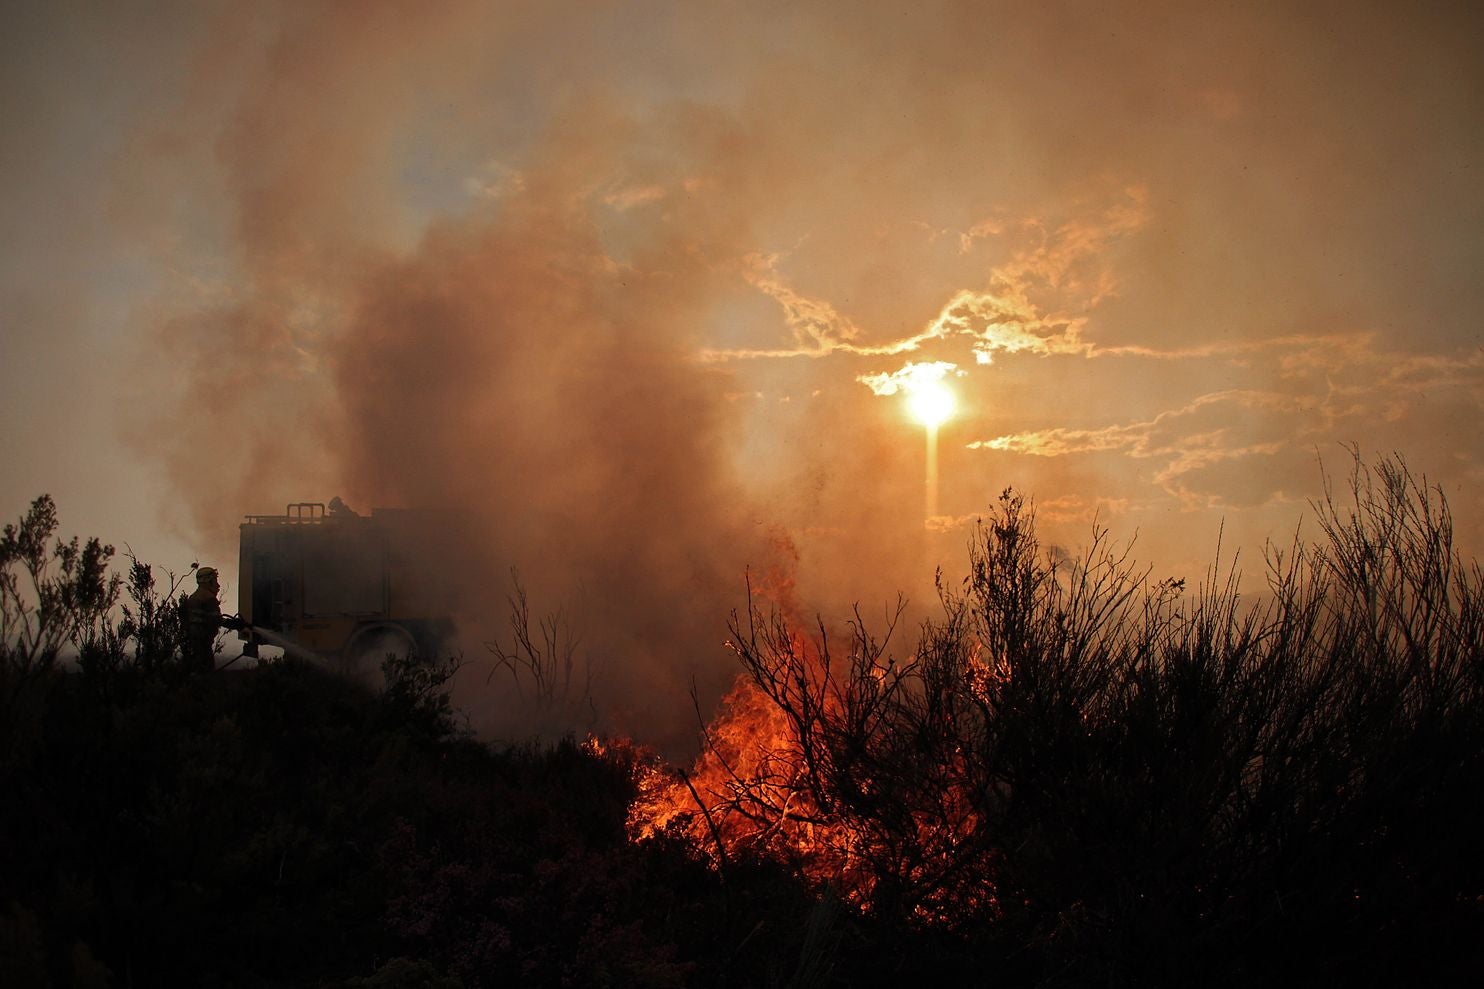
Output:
x=281 y=826
x=1096 y=777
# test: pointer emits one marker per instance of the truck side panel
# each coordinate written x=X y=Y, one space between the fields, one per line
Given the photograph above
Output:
x=344 y=571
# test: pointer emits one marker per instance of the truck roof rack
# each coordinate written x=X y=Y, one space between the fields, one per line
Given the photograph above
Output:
x=295 y=513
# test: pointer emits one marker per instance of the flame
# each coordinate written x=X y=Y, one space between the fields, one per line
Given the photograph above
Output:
x=754 y=790
x=747 y=795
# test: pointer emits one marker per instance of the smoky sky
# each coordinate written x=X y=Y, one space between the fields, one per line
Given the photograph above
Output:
x=607 y=282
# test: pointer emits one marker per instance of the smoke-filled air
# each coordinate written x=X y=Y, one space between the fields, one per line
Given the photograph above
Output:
x=652 y=301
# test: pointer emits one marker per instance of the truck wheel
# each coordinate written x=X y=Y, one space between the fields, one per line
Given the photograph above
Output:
x=364 y=655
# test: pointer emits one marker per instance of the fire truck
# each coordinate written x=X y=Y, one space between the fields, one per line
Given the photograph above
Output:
x=341 y=586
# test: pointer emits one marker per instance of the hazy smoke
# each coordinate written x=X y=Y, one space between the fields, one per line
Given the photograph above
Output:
x=494 y=262
x=511 y=373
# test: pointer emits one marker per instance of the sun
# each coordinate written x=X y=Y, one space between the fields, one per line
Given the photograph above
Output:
x=930 y=403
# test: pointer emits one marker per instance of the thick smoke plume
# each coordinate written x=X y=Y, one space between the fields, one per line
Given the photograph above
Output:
x=511 y=374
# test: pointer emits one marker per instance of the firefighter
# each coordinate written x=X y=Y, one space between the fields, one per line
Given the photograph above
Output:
x=201 y=614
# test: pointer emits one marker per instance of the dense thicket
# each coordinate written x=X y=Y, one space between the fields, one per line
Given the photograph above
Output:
x=279 y=826
x=1078 y=775
x=1107 y=779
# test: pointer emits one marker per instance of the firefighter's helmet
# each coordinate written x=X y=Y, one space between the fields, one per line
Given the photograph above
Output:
x=205 y=575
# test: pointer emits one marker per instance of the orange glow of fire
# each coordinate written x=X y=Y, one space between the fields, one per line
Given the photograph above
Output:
x=745 y=794
x=748 y=792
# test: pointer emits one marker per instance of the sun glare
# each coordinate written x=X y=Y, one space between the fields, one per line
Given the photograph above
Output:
x=930 y=403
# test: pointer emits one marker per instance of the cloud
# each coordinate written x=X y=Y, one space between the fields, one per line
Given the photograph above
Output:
x=1004 y=317
x=631 y=197
x=495 y=181
x=909 y=378
x=1213 y=429
x=1334 y=385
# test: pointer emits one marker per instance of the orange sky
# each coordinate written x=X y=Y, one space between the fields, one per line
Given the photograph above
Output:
x=615 y=279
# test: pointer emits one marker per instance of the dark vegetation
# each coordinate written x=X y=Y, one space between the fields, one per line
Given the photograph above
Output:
x=1091 y=778
x=280 y=826
x=1078 y=776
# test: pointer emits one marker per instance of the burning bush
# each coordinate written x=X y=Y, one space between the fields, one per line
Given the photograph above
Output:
x=1127 y=779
